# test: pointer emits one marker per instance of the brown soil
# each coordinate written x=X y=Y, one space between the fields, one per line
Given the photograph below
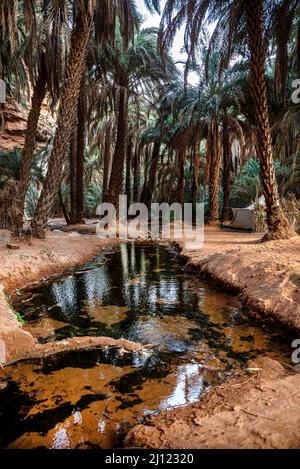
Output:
x=42 y=258
x=34 y=260
x=250 y=411
x=267 y=276
x=83 y=343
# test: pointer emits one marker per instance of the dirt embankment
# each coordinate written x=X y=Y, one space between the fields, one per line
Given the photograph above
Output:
x=265 y=275
x=252 y=410
x=42 y=258
x=30 y=263
x=258 y=411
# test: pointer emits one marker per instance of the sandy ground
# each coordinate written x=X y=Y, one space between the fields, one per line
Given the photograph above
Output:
x=42 y=258
x=259 y=410
x=266 y=275
x=251 y=411
x=34 y=260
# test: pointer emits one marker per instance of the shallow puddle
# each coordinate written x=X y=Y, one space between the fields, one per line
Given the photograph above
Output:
x=90 y=399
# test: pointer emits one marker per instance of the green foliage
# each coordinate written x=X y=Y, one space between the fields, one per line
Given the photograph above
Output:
x=247 y=187
x=31 y=200
x=16 y=313
x=20 y=318
x=10 y=165
x=163 y=107
x=92 y=199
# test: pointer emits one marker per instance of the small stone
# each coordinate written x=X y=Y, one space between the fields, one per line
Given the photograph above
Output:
x=236 y=408
x=5 y=237
x=13 y=247
x=3 y=385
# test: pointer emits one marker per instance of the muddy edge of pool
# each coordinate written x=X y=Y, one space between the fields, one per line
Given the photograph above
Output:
x=239 y=400
x=250 y=411
x=32 y=263
x=266 y=276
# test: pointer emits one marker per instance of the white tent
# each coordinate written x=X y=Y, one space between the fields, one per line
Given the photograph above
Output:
x=243 y=218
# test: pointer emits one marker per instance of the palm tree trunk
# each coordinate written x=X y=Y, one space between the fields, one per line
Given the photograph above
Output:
x=226 y=180
x=116 y=182
x=278 y=226
x=149 y=184
x=128 y=171
x=80 y=158
x=65 y=123
x=137 y=173
x=73 y=175
x=180 y=168
x=38 y=97
x=214 y=174
x=195 y=170
x=106 y=160
x=63 y=206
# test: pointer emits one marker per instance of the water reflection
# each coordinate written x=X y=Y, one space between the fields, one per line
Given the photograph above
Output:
x=86 y=399
x=65 y=296
x=141 y=293
x=188 y=388
x=61 y=439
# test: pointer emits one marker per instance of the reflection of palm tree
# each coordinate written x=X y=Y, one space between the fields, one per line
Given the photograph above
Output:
x=65 y=294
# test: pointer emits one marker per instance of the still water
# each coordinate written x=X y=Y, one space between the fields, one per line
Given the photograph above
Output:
x=141 y=293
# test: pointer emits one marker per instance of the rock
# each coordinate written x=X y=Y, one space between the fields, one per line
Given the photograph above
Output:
x=13 y=247
x=3 y=385
x=43 y=328
x=80 y=228
x=2 y=352
x=5 y=237
x=84 y=343
x=15 y=122
x=270 y=368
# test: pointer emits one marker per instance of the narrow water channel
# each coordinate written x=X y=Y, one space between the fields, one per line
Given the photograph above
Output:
x=141 y=293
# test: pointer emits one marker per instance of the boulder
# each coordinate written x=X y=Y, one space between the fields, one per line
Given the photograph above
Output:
x=5 y=237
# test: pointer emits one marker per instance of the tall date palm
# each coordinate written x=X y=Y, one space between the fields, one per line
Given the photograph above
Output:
x=240 y=22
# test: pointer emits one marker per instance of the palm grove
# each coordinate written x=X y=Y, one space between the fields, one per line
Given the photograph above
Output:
x=128 y=121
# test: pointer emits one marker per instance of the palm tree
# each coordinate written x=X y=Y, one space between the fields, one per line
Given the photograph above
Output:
x=277 y=223
x=81 y=143
x=212 y=112
x=103 y=14
x=131 y=67
x=239 y=20
x=17 y=19
x=83 y=21
x=45 y=69
x=38 y=97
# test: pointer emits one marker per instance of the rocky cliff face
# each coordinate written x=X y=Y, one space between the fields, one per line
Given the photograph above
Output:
x=13 y=130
